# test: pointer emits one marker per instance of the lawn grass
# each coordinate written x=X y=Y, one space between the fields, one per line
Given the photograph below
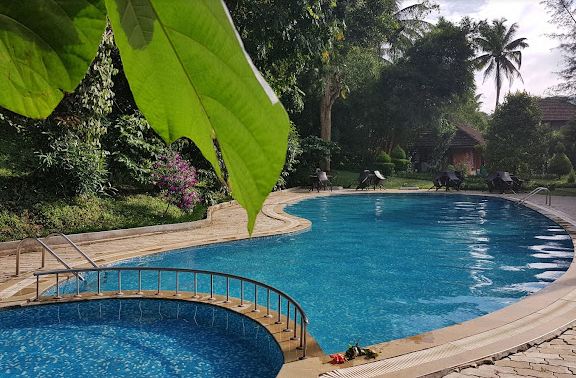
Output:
x=349 y=179
x=87 y=214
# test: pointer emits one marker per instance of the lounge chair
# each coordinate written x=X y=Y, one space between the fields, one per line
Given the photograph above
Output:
x=501 y=181
x=447 y=179
x=364 y=179
x=323 y=181
x=377 y=179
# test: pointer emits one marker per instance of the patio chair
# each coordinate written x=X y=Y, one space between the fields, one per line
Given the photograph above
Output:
x=377 y=179
x=447 y=179
x=364 y=180
x=323 y=181
x=500 y=181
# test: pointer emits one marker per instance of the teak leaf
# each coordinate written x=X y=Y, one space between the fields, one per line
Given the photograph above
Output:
x=46 y=47
x=191 y=77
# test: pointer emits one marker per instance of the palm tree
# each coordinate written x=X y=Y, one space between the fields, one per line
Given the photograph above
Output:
x=410 y=26
x=501 y=54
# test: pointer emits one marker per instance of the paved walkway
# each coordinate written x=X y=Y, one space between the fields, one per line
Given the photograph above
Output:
x=555 y=358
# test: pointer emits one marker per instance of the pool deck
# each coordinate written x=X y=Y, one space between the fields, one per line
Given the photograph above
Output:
x=451 y=350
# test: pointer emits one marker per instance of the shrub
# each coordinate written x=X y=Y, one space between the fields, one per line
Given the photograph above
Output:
x=387 y=169
x=133 y=147
x=571 y=179
x=383 y=157
x=401 y=165
x=176 y=179
x=560 y=164
x=292 y=154
x=398 y=153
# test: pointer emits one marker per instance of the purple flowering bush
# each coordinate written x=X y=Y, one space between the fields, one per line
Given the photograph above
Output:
x=176 y=179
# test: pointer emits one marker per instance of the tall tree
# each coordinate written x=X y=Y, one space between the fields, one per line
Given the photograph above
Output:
x=285 y=40
x=517 y=140
x=500 y=52
x=563 y=16
x=361 y=30
x=411 y=94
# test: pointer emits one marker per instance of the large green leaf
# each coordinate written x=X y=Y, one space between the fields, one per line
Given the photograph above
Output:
x=46 y=47
x=190 y=76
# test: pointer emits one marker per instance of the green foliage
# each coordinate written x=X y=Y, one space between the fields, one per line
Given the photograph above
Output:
x=187 y=71
x=500 y=54
x=571 y=179
x=210 y=188
x=387 y=169
x=516 y=140
x=560 y=164
x=71 y=166
x=383 y=157
x=411 y=95
x=287 y=51
x=401 y=164
x=292 y=155
x=133 y=147
x=89 y=213
x=69 y=151
x=47 y=47
x=314 y=150
x=398 y=153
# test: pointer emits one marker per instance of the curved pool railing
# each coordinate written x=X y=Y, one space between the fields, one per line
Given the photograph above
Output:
x=214 y=290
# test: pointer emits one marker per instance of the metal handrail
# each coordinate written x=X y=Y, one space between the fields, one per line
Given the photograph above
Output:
x=536 y=191
x=75 y=246
x=45 y=248
x=290 y=302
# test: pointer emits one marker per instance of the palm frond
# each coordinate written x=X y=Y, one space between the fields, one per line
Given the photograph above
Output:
x=508 y=36
x=516 y=44
x=510 y=70
x=489 y=70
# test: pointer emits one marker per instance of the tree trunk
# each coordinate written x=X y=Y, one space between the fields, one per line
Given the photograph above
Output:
x=498 y=84
x=331 y=93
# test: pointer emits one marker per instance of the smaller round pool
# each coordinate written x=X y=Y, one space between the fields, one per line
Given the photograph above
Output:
x=135 y=337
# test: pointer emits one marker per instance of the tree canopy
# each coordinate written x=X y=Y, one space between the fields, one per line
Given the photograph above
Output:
x=517 y=141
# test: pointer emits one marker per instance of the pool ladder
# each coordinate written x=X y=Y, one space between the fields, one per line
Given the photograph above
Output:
x=46 y=248
x=536 y=191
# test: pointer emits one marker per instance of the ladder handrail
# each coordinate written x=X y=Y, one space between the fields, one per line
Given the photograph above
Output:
x=52 y=252
x=536 y=191
x=75 y=246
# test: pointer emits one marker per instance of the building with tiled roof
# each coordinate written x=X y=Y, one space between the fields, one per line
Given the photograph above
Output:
x=557 y=111
x=462 y=149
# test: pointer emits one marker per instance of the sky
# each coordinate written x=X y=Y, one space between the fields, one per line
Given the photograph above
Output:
x=540 y=60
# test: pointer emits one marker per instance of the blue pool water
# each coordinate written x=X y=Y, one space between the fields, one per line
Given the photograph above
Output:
x=152 y=338
x=380 y=267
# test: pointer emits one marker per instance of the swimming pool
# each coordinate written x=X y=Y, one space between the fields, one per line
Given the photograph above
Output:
x=379 y=267
x=131 y=337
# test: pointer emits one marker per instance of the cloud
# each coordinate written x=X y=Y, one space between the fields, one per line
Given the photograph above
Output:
x=449 y=8
x=541 y=60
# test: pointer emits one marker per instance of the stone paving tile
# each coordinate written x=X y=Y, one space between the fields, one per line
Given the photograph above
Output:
x=551 y=359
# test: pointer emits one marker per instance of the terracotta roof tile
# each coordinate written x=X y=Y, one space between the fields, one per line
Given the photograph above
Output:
x=557 y=109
